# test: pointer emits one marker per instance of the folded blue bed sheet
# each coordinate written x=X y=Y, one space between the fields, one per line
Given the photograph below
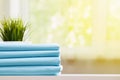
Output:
x=31 y=74
x=27 y=54
x=28 y=47
x=36 y=61
x=30 y=70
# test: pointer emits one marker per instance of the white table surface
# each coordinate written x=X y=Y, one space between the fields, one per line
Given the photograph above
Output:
x=65 y=77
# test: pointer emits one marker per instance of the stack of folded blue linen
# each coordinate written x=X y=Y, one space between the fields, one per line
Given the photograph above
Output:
x=29 y=59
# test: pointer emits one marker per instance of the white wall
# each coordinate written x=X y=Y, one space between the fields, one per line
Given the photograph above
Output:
x=4 y=8
x=14 y=8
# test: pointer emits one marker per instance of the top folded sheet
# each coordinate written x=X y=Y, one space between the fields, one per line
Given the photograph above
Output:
x=27 y=47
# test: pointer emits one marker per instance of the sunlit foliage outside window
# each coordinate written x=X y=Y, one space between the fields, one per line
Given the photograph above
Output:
x=113 y=20
x=67 y=22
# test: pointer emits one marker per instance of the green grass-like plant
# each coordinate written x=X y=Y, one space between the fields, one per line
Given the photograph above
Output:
x=13 y=29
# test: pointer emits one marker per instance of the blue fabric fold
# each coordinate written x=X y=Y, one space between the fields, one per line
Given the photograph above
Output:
x=36 y=61
x=54 y=74
x=25 y=54
x=30 y=70
x=28 y=47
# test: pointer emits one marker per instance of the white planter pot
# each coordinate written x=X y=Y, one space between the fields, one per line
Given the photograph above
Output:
x=15 y=42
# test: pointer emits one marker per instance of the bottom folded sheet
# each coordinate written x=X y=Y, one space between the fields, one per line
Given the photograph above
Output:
x=30 y=74
x=30 y=70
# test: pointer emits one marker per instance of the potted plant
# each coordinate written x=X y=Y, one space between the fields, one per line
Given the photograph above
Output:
x=13 y=29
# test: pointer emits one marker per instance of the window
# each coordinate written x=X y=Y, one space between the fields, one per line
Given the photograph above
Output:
x=83 y=28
